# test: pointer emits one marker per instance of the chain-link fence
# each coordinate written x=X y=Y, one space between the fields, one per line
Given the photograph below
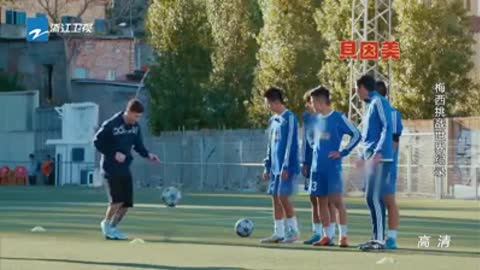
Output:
x=206 y=163
x=226 y=163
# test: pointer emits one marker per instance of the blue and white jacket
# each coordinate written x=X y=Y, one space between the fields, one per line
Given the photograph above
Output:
x=308 y=138
x=282 y=149
x=377 y=130
x=328 y=134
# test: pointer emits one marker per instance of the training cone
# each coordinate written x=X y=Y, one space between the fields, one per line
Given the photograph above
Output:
x=137 y=241
x=386 y=260
x=38 y=229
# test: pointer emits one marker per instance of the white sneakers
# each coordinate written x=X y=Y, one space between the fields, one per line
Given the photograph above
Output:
x=111 y=233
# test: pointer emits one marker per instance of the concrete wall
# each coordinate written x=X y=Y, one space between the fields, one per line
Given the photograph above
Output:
x=17 y=110
x=29 y=60
x=15 y=147
x=110 y=96
x=17 y=136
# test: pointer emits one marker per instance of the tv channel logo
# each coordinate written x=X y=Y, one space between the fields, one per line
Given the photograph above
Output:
x=37 y=29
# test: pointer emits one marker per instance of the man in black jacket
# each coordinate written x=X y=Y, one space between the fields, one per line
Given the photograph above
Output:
x=115 y=140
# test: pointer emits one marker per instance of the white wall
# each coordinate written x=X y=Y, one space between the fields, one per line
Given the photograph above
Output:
x=17 y=110
x=16 y=146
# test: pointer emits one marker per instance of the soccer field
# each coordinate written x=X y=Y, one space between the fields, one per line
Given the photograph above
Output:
x=199 y=234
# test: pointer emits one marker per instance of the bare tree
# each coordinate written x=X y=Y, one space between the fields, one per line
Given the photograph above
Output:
x=56 y=8
x=128 y=14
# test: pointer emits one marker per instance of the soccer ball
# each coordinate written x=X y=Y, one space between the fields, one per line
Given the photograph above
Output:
x=171 y=196
x=244 y=227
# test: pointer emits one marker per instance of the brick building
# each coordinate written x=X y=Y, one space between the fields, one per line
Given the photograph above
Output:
x=102 y=57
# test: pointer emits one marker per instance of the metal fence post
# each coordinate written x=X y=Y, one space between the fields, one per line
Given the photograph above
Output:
x=240 y=152
x=164 y=159
x=475 y=181
x=438 y=187
x=201 y=165
x=444 y=186
x=409 y=170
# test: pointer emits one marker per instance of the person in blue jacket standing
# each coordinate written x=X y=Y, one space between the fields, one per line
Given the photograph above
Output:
x=377 y=157
x=281 y=166
x=391 y=185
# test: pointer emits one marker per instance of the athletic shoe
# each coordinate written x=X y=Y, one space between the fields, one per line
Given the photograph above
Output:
x=118 y=234
x=105 y=226
x=373 y=245
x=363 y=245
x=291 y=236
x=343 y=243
x=107 y=230
x=325 y=241
x=391 y=243
x=313 y=239
x=272 y=239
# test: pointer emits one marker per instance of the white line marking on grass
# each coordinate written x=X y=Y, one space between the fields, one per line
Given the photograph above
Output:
x=424 y=213
x=233 y=219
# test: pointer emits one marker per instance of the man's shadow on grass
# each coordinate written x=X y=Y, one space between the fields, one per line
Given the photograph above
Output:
x=121 y=264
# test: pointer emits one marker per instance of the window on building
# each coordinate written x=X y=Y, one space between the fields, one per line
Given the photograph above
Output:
x=71 y=19
x=41 y=15
x=80 y=73
x=100 y=26
x=15 y=17
x=21 y=18
x=9 y=17
x=67 y=19
x=78 y=154
x=468 y=5
x=111 y=75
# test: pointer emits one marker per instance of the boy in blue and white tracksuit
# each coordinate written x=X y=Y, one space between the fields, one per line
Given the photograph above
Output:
x=377 y=155
x=391 y=185
x=281 y=166
x=326 y=172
